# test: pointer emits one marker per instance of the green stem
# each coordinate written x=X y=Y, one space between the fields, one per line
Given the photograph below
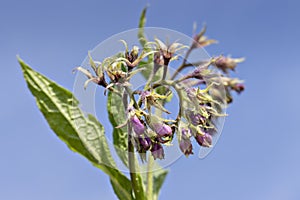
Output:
x=133 y=174
x=183 y=65
x=149 y=189
x=131 y=157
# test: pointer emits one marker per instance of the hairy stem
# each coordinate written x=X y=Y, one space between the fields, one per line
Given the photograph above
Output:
x=149 y=189
x=131 y=157
x=183 y=65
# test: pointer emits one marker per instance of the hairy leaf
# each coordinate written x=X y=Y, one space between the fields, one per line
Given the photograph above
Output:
x=116 y=114
x=84 y=135
x=158 y=179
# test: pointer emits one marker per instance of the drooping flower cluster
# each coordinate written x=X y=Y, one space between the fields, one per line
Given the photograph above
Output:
x=203 y=93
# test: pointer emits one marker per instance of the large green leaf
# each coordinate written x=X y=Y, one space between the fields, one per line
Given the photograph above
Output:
x=116 y=114
x=158 y=179
x=84 y=135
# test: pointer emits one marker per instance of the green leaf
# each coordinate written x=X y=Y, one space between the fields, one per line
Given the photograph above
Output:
x=159 y=177
x=116 y=114
x=148 y=68
x=148 y=65
x=142 y=22
x=84 y=135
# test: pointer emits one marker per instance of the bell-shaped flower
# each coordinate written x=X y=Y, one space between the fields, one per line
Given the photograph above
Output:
x=185 y=144
x=157 y=151
x=137 y=125
x=204 y=139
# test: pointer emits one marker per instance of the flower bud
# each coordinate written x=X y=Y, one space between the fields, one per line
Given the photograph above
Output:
x=133 y=55
x=239 y=87
x=137 y=125
x=157 y=151
x=204 y=140
x=225 y=63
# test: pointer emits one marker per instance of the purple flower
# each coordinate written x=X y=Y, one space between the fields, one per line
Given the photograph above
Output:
x=185 y=144
x=157 y=151
x=162 y=130
x=204 y=140
x=185 y=133
x=239 y=87
x=191 y=92
x=195 y=119
x=186 y=147
x=144 y=95
x=137 y=125
x=145 y=143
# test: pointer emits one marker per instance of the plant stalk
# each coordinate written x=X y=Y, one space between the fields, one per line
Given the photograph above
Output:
x=149 y=189
x=131 y=156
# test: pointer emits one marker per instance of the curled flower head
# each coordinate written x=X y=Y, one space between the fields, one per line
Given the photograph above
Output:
x=200 y=94
x=157 y=151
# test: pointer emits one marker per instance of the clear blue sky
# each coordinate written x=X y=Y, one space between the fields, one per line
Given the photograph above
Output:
x=258 y=155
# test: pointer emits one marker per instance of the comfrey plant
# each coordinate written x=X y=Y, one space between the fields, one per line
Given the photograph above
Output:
x=180 y=104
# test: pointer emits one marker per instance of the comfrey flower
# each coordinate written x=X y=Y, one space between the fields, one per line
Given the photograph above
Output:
x=232 y=84
x=195 y=118
x=157 y=151
x=145 y=142
x=97 y=67
x=185 y=144
x=204 y=139
x=152 y=99
x=137 y=125
x=168 y=51
x=132 y=59
x=162 y=130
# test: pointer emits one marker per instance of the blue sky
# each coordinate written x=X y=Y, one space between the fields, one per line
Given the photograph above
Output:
x=257 y=157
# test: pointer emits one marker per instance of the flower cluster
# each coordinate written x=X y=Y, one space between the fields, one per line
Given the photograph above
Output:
x=203 y=93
